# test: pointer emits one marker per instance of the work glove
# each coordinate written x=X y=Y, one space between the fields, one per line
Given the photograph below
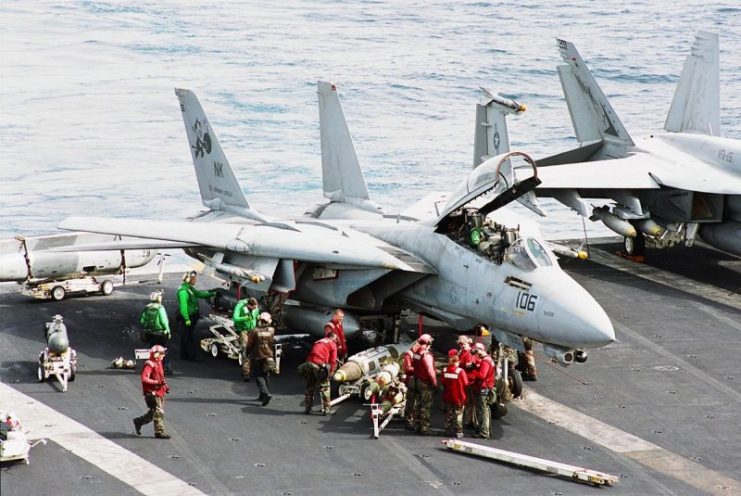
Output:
x=187 y=323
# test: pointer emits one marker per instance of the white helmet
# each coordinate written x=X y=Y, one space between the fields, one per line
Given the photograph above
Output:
x=265 y=317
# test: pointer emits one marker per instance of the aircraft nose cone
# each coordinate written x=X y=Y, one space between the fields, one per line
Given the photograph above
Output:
x=577 y=317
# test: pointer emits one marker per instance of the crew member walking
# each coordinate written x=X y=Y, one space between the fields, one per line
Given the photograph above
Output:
x=154 y=387
x=426 y=379
x=245 y=316
x=454 y=382
x=188 y=314
x=153 y=320
x=335 y=326
x=260 y=350
x=318 y=368
x=484 y=391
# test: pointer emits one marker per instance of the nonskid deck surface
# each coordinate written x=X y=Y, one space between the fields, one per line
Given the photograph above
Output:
x=660 y=409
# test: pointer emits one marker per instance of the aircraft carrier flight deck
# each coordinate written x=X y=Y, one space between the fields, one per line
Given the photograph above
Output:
x=660 y=409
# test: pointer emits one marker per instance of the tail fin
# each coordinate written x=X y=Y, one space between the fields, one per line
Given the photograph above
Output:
x=592 y=115
x=341 y=174
x=216 y=180
x=696 y=103
x=491 y=137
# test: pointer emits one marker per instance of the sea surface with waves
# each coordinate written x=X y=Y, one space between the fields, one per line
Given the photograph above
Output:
x=91 y=126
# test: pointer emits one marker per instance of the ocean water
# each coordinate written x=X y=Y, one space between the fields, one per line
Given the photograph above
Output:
x=90 y=124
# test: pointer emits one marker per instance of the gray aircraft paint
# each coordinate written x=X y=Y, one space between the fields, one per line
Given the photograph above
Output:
x=664 y=177
x=346 y=259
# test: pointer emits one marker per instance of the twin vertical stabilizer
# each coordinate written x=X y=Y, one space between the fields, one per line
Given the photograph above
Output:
x=696 y=104
x=219 y=187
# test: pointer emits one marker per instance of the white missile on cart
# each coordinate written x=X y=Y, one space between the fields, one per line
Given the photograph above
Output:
x=38 y=258
x=369 y=362
x=389 y=372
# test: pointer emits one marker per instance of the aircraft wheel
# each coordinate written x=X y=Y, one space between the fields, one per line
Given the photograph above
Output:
x=635 y=246
x=106 y=288
x=515 y=382
x=40 y=373
x=214 y=350
x=58 y=293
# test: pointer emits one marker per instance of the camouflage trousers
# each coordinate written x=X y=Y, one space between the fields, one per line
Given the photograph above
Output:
x=313 y=376
x=156 y=405
x=423 y=406
x=469 y=409
x=526 y=364
x=246 y=368
x=453 y=419
x=483 y=412
x=411 y=401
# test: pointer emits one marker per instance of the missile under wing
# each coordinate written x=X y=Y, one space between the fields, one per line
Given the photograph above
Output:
x=675 y=185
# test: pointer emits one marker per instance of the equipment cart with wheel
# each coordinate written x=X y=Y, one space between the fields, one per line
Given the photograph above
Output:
x=14 y=442
x=62 y=366
x=225 y=341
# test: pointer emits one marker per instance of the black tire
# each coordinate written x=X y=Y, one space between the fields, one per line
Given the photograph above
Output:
x=498 y=410
x=57 y=293
x=515 y=382
x=40 y=373
x=635 y=247
x=106 y=287
x=72 y=373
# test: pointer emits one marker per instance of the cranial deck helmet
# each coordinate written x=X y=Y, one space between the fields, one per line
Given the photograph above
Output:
x=265 y=317
x=157 y=349
x=424 y=339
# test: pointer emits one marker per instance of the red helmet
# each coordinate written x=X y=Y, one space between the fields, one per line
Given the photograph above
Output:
x=157 y=349
x=452 y=353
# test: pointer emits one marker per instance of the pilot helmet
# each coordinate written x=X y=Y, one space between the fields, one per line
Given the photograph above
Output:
x=474 y=217
x=266 y=318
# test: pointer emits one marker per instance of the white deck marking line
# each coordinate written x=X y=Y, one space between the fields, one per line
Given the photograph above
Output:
x=130 y=468
x=671 y=280
x=635 y=448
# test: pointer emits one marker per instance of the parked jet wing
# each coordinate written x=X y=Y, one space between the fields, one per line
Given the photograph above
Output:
x=640 y=171
x=128 y=244
x=302 y=242
x=601 y=174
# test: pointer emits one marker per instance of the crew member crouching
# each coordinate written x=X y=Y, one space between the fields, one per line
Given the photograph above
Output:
x=316 y=371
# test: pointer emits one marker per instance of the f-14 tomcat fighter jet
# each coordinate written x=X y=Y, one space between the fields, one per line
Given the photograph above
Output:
x=348 y=253
x=673 y=186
